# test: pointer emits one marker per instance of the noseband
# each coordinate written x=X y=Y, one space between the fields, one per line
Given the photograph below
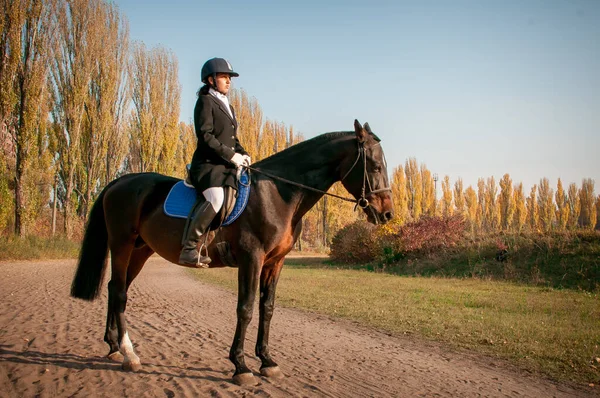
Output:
x=361 y=202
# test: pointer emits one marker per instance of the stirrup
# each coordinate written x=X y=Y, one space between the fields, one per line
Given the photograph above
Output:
x=203 y=261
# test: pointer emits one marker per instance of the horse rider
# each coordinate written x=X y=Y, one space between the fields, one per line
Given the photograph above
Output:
x=217 y=157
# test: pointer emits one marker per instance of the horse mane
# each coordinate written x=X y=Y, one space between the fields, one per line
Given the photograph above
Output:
x=303 y=148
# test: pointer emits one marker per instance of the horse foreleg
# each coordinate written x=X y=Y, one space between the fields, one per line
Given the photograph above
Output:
x=268 y=282
x=247 y=285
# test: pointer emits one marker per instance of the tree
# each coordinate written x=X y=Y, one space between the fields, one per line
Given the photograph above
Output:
x=562 y=207
x=506 y=202
x=71 y=72
x=103 y=143
x=155 y=118
x=532 y=210
x=480 y=220
x=25 y=40
x=428 y=196
x=414 y=188
x=546 y=207
x=446 y=197
x=520 y=215
x=492 y=211
x=574 y=205
x=587 y=198
x=400 y=195
x=471 y=207
x=459 y=198
x=249 y=116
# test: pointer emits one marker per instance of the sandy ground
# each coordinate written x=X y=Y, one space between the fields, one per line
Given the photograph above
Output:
x=51 y=345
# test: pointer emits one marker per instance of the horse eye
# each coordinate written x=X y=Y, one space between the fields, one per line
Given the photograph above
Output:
x=377 y=169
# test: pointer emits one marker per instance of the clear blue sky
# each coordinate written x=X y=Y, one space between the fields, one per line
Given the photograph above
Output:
x=472 y=89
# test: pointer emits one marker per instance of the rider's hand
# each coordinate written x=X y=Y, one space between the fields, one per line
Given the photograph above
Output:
x=238 y=159
x=247 y=160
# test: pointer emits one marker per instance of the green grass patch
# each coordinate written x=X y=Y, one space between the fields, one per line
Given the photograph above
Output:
x=555 y=332
x=35 y=248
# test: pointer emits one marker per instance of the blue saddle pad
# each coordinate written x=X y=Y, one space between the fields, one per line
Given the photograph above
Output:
x=181 y=199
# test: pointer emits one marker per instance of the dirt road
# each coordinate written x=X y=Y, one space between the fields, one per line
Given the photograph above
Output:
x=51 y=345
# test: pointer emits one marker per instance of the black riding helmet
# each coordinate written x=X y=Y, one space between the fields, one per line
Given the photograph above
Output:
x=214 y=66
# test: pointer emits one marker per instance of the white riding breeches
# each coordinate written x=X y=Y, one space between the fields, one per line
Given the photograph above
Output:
x=216 y=197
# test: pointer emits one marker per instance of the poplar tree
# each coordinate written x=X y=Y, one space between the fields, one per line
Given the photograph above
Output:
x=492 y=211
x=102 y=140
x=250 y=121
x=414 y=188
x=562 y=207
x=481 y=206
x=574 y=206
x=25 y=41
x=471 y=207
x=155 y=117
x=546 y=209
x=459 y=198
x=71 y=73
x=446 y=197
x=186 y=147
x=532 y=210
x=428 y=199
x=587 y=198
x=520 y=215
x=400 y=195
x=506 y=202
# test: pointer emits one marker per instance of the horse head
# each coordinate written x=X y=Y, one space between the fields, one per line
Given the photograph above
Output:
x=365 y=176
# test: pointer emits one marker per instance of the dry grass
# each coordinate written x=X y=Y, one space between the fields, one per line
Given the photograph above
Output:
x=556 y=332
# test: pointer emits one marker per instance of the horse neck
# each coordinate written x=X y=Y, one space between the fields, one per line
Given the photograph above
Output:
x=316 y=167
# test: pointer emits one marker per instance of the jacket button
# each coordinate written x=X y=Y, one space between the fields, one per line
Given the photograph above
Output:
x=233 y=136
x=232 y=126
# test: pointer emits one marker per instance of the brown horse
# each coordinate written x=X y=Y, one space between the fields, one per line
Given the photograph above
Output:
x=128 y=219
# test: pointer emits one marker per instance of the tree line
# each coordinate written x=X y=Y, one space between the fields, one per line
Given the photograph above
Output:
x=495 y=206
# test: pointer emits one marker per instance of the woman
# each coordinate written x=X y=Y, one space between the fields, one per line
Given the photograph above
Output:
x=217 y=156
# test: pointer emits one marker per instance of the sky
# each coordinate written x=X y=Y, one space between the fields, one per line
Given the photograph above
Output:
x=471 y=88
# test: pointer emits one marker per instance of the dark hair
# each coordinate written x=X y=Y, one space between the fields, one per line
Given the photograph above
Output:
x=203 y=90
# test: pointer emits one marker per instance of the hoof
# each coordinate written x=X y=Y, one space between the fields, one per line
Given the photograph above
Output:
x=131 y=366
x=115 y=356
x=245 y=379
x=273 y=372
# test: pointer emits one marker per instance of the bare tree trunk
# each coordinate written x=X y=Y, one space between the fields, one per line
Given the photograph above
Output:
x=54 y=205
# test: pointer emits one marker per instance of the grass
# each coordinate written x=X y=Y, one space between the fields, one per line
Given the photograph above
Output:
x=555 y=332
x=35 y=248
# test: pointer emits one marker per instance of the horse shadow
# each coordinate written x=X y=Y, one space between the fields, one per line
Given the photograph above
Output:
x=78 y=362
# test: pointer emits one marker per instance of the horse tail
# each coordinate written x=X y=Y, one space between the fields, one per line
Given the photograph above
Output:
x=93 y=254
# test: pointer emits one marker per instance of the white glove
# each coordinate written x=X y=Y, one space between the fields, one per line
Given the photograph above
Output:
x=247 y=160
x=238 y=159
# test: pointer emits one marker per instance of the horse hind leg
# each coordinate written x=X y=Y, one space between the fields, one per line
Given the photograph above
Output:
x=117 y=291
x=111 y=337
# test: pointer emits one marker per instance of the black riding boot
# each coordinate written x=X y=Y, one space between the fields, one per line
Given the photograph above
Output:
x=198 y=223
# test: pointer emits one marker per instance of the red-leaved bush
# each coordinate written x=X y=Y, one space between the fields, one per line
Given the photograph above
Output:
x=362 y=242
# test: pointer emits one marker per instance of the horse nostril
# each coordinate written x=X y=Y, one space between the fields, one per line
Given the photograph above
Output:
x=388 y=215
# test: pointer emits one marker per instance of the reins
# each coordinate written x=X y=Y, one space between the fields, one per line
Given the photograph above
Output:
x=361 y=202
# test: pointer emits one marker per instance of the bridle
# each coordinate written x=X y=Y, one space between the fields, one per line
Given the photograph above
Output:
x=361 y=202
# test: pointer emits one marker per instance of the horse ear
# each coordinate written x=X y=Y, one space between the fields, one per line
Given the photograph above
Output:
x=368 y=128
x=361 y=133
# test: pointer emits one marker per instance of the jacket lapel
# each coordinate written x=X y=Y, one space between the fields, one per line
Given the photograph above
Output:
x=223 y=108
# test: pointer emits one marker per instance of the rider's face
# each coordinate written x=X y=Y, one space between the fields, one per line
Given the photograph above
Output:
x=223 y=82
